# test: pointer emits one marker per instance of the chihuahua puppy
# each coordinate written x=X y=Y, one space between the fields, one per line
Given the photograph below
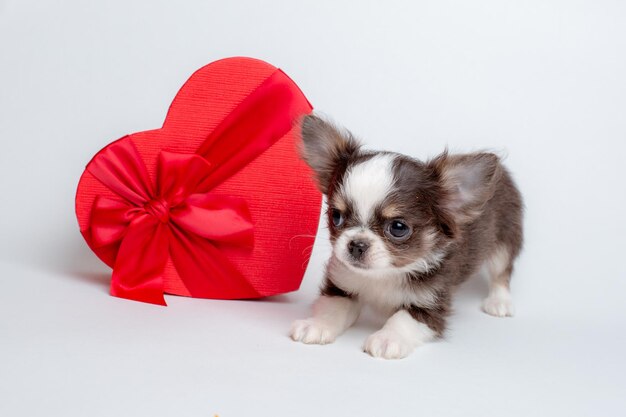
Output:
x=404 y=234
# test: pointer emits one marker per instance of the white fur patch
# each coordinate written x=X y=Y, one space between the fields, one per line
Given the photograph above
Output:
x=425 y=264
x=497 y=263
x=331 y=317
x=398 y=337
x=499 y=302
x=367 y=184
x=384 y=290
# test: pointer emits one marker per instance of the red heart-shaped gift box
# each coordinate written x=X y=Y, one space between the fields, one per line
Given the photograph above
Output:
x=217 y=202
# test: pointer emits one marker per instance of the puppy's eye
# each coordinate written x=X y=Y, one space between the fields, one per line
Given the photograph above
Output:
x=398 y=230
x=337 y=217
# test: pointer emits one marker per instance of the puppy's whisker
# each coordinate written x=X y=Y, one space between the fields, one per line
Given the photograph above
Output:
x=301 y=237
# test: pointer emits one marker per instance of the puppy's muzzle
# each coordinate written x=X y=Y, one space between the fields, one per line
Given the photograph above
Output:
x=357 y=248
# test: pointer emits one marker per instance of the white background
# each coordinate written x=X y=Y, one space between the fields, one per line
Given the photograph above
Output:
x=544 y=82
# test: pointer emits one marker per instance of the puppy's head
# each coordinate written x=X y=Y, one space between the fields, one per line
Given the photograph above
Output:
x=388 y=212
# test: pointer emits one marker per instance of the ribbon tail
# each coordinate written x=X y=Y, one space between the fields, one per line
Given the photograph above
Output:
x=256 y=124
x=195 y=257
x=139 y=265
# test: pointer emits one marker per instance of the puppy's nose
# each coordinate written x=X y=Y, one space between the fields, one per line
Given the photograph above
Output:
x=357 y=248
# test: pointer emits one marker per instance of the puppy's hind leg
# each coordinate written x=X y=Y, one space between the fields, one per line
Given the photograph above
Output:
x=499 y=266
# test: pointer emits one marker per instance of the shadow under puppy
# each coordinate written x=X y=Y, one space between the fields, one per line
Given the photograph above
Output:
x=404 y=234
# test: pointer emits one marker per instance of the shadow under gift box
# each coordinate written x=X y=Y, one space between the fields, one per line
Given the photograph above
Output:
x=215 y=204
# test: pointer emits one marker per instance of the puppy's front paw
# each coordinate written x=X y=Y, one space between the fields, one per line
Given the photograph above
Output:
x=499 y=306
x=388 y=344
x=312 y=331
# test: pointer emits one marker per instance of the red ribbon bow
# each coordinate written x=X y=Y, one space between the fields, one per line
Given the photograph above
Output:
x=153 y=221
x=177 y=217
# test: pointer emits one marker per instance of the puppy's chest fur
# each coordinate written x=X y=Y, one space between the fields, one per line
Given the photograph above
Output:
x=384 y=291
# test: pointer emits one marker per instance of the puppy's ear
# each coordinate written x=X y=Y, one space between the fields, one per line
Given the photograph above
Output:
x=325 y=149
x=467 y=182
